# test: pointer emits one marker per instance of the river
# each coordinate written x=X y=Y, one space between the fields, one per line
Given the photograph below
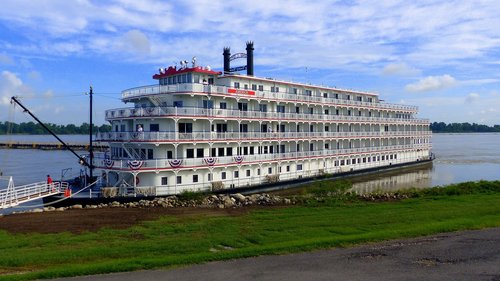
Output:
x=459 y=158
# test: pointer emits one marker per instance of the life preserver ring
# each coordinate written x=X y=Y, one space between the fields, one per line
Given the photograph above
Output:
x=137 y=180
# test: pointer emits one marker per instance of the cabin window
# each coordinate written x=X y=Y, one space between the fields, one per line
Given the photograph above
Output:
x=221 y=128
x=164 y=180
x=245 y=86
x=189 y=78
x=280 y=108
x=248 y=173
x=185 y=127
x=327 y=128
x=348 y=97
x=261 y=87
x=154 y=127
x=150 y=154
x=325 y=95
x=208 y=104
x=223 y=105
x=243 y=128
x=210 y=81
x=195 y=178
x=196 y=78
x=237 y=85
x=229 y=151
x=270 y=170
x=221 y=151
x=299 y=167
x=254 y=87
x=263 y=107
x=327 y=146
x=294 y=90
x=297 y=109
x=360 y=98
x=327 y=112
x=236 y=174
x=177 y=103
x=242 y=106
x=308 y=93
x=179 y=179
x=223 y=175
x=199 y=153
x=190 y=153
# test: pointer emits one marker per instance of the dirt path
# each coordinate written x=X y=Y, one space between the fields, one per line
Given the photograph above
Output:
x=80 y=220
x=466 y=255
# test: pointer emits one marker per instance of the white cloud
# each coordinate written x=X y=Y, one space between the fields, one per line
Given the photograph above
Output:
x=431 y=83
x=472 y=97
x=136 y=42
x=5 y=59
x=34 y=75
x=11 y=85
x=400 y=69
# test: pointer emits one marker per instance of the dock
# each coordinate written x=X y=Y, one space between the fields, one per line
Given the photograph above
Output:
x=51 y=146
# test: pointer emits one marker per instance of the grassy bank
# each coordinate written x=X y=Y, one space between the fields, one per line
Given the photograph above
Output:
x=321 y=220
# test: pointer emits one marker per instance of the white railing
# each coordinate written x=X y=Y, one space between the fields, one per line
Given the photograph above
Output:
x=168 y=111
x=266 y=95
x=14 y=196
x=236 y=136
x=101 y=161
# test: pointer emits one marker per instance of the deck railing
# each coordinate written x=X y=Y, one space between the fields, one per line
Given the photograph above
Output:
x=278 y=96
x=101 y=160
x=236 y=136
x=16 y=195
x=169 y=111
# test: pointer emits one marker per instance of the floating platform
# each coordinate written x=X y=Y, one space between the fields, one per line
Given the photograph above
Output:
x=51 y=146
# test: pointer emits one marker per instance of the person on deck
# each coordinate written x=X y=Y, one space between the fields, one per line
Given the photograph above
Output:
x=50 y=183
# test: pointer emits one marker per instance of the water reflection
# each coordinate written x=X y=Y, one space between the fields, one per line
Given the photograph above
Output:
x=417 y=177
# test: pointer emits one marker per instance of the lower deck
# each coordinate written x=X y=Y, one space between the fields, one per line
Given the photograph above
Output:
x=247 y=175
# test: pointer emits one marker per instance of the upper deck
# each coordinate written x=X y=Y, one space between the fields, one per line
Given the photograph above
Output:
x=316 y=97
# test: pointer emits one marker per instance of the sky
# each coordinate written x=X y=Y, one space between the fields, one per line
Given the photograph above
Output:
x=442 y=56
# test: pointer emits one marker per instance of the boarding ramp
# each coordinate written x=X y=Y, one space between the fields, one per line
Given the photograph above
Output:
x=15 y=195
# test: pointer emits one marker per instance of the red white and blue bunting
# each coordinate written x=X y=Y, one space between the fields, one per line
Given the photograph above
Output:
x=210 y=160
x=175 y=163
x=238 y=159
x=135 y=164
x=108 y=163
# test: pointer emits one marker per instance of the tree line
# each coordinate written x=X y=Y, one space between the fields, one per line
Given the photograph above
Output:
x=31 y=128
x=441 y=127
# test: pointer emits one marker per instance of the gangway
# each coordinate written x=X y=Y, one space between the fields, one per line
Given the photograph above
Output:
x=15 y=195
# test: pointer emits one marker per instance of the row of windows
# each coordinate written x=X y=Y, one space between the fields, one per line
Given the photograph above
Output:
x=299 y=167
x=243 y=106
x=185 y=78
x=307 y=92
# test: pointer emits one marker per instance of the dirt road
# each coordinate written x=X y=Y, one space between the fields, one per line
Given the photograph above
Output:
x=466 y=255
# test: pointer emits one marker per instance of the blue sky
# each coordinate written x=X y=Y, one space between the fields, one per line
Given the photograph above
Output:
x=442 y=56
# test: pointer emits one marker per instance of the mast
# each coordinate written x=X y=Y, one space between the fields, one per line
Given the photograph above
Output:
x=82 y=160
x=91 y=148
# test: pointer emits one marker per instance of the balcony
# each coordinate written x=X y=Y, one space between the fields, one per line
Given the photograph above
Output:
x=169 y=111
x=100 y=161
x=246 y=136
x=144 y=91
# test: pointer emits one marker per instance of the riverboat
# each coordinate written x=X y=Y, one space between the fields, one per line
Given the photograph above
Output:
x=198 y=129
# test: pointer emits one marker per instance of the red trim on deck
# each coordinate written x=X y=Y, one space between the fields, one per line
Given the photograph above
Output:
x=173 y=71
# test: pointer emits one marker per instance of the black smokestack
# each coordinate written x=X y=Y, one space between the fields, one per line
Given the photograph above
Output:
x=250 y=58
x=227 y=54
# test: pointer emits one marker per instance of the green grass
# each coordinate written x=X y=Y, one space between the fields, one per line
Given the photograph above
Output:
x=172 y=241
